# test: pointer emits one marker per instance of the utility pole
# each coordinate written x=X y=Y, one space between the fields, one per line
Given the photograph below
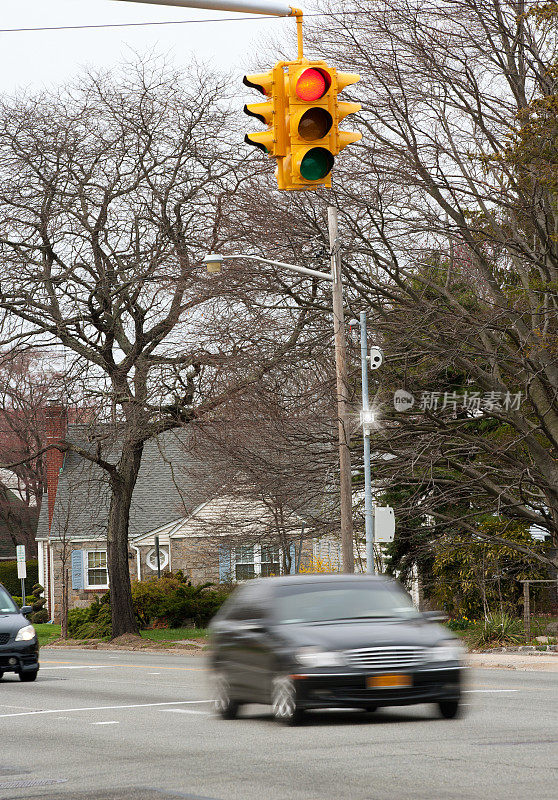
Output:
x=366 y=419
x=345 y=487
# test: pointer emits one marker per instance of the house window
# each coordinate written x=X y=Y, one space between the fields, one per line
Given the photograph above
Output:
x=254 y=561
x=151 y=558
x=270 y=563
x=97 y=574
x=244 y=563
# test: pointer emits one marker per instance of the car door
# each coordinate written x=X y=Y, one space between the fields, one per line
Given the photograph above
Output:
x=249 y=645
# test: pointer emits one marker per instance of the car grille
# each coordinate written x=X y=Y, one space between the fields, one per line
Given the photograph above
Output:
x=386 y=657
x=4 y=638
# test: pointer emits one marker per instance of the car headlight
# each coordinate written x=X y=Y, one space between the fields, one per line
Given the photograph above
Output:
x=25 y=634
x=446 y=651
x=314 y=657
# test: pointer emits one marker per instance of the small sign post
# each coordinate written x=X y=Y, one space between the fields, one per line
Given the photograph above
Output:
x=21 y=569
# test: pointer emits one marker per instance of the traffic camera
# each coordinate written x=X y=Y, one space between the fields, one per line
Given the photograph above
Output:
x=376 y=357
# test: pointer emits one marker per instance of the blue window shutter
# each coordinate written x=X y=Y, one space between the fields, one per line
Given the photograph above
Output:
x=77 y=570
x=292 y=551
x=224 y=563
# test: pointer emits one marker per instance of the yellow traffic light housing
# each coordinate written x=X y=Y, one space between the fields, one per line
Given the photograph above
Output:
x=273 y=141
x=302 y=115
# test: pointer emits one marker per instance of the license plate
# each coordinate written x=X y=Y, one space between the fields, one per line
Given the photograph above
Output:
x=389 y=682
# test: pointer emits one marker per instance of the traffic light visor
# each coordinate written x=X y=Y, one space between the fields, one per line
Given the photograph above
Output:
x=314 y=124
x=316 y=164
x=312 y=84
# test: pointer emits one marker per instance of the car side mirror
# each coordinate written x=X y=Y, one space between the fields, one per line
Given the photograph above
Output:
x=25 y=610
x=255 y=626
x=434 y=616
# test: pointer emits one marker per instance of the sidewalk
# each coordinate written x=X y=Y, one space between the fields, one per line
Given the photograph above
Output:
x=545 y=662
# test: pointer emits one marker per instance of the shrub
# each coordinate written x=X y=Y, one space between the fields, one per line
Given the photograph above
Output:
x=171 y=600
x=91 y=623
x=40 y=614
x=498 y=630
x=19 y=601
x=8 y=575
x=166 y=602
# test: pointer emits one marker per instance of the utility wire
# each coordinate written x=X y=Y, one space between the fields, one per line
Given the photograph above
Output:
x=168 y=22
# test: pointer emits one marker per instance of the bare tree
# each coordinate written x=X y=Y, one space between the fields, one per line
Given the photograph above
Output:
x=449 y=212
x=110 y=192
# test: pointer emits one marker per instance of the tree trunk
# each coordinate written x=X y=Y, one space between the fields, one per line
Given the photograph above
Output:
x=122 y=486
x=64 y=609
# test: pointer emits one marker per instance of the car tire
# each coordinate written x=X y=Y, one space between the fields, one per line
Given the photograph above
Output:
x=27 y=677
x=449 y=709
x=283 y=701
x=370 y=709
x=223 y=705
x=1 y=675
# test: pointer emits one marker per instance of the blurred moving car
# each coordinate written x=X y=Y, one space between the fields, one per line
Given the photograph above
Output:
x=19 y=646
x=327 y=641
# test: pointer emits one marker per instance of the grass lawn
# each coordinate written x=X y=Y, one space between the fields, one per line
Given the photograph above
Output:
x=47 y=633
x=166 y=634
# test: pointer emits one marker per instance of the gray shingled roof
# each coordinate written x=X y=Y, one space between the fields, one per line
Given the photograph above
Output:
x=164 y=491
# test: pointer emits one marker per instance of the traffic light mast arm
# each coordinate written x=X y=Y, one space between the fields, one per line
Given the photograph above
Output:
x=312 y=273
x=274 y=8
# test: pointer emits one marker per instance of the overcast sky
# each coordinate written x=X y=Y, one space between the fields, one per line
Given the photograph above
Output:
x=43 y=58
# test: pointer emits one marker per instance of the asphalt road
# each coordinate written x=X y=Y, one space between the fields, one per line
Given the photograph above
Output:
x=108 y=725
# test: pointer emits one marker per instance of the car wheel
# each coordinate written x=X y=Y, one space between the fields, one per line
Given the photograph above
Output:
x=27 y=677
x=1 y=675
x=283 y=701
x=223 y=704
x=449 y=709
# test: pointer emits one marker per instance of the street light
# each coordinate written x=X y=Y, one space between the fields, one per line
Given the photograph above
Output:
x=367 y=420
x=214 y=262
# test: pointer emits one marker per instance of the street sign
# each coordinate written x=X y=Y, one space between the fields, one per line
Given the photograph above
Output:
x=384 y=524
x=21 y=565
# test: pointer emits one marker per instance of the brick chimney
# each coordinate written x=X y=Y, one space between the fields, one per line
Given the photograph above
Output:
x=56 y=426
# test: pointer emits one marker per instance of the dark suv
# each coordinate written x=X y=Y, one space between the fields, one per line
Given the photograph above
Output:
x=19 y=647
x=330 y=641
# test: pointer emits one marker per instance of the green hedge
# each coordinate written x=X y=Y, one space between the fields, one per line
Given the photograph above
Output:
x=167 y=602
x=8 y=575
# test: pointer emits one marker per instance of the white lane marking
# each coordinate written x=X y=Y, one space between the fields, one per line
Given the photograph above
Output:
x=153 y=673
x=112 y=722
x=102 y=708
x=489 y=691
x=82 y=666
x=185 y=711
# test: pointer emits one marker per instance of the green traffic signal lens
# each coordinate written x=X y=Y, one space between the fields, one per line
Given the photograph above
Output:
x=315 y=124
x=316 y=164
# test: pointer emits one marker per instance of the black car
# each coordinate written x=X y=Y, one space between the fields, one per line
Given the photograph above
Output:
x=19 y=647
x=330 y=641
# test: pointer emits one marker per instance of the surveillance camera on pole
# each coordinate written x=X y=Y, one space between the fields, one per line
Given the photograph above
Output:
x=376 y=357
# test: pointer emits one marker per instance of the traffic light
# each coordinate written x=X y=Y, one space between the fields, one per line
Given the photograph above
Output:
x=273 y=141
x=302 y=115
x=314 y=116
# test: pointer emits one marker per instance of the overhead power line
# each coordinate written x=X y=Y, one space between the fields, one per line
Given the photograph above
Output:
x=167 y=22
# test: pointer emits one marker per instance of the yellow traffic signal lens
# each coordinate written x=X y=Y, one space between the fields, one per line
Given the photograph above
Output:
x=315 y=124
x=312 y=84
x=316 y=164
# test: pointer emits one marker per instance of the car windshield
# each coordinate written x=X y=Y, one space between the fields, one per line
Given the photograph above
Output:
x=7 y=605
x=331 y=602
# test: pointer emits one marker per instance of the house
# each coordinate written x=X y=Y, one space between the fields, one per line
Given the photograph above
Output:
x=17 y=523
x=211 y=536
